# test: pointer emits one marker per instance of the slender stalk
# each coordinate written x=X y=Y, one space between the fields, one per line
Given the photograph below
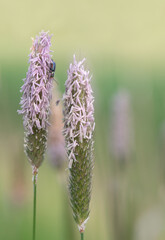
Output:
x=82 y=236
x=34 y=205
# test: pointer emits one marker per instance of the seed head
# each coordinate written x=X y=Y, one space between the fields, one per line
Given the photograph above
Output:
x=35 y=101
x=78 y=131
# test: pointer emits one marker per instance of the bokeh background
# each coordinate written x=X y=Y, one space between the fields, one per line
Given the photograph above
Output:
x=124 y=43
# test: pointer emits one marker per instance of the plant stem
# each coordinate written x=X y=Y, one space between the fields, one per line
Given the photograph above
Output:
x=34 y=205
x=82 y=236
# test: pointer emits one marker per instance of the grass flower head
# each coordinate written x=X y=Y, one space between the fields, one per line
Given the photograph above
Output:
x=35 y=101
x=78 y=131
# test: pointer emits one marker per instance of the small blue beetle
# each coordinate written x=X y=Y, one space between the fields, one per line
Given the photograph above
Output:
x=52 y=68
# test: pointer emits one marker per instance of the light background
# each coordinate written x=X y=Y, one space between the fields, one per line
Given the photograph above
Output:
x=124 y=43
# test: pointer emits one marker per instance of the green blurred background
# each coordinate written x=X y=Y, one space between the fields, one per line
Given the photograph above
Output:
x=124 y=43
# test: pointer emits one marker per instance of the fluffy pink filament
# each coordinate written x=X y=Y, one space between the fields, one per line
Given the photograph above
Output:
x=79 y=111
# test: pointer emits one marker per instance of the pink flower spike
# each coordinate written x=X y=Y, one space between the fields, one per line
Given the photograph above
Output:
x=35 y=100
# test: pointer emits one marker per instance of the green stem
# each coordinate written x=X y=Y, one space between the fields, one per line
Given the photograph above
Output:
x=82 y=236
x=34 y=205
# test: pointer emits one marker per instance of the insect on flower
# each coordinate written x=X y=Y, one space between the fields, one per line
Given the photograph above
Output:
x=35 y=100
x=52 y=68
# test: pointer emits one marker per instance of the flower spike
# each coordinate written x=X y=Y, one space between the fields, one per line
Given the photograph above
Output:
x=35 y=101
x=78 y=131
